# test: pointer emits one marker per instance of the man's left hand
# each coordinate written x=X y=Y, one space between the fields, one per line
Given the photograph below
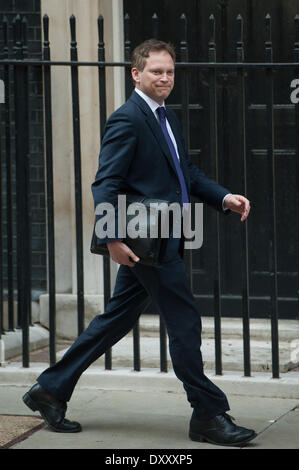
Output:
x=238 y=203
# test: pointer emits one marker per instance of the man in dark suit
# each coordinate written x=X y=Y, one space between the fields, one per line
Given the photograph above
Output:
x=143 y=152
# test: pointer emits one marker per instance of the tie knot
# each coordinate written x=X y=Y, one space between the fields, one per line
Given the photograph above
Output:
x=161 y=113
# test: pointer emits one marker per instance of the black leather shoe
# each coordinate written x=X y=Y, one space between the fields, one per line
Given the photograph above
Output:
x=219 y=430
x=51 y=409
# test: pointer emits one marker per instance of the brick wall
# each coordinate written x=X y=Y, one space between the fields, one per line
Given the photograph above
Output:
x=31 y=10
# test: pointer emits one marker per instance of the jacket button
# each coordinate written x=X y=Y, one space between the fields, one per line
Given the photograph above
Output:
x=178 y=191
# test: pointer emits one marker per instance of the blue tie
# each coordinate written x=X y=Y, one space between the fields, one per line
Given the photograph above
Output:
x=162 y=117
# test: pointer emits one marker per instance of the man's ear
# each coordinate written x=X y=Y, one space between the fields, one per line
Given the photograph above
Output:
x=135 y=75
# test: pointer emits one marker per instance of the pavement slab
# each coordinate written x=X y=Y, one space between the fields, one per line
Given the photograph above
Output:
x=122 y=419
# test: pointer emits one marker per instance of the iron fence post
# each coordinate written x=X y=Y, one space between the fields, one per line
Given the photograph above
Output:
x=22 y=191
x=1 y=238
x=49 y=192
x=155 y=26
x=77 y=172
x=214 y=158
x=9 y=199
x=242 y=145
x=103 y=117
x=272 y=200
x=296 y=75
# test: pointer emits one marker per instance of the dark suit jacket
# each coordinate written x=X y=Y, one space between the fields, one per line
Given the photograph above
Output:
x=135 y=158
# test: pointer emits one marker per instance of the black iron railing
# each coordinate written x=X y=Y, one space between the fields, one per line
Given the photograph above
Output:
x=16 y=69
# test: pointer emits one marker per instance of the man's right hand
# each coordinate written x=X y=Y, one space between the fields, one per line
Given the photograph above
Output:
x=122 y=254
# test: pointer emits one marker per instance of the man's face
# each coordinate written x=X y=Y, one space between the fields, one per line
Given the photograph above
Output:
x=157 y=78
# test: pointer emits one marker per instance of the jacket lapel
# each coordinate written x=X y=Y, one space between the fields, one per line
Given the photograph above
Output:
x=154 y=126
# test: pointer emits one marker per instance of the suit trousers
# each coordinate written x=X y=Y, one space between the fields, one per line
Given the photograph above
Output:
x=168 y=288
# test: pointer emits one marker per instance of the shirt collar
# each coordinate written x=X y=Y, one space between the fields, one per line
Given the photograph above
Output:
x=152 y=104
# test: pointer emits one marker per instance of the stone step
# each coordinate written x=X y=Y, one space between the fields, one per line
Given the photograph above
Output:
x=232 y=354
x=260 y=328
x=11 y=341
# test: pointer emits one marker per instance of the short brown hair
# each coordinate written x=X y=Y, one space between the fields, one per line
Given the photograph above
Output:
x=142 y=52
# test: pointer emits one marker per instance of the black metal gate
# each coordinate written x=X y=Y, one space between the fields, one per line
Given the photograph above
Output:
x=203 y=92
x=263 y=39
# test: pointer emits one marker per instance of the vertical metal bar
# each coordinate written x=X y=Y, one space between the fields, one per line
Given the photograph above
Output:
x=223 y=22
x=249 y=28
x=29 y=255
x=272 y=201
x=49 y=191
x=163 y=345
x=214 y=157
x=155 y=26
x=102 y=75
x=296 y=74
x=223 y=127
x=103 y=117
x=9 y=202
x=136 y=347
x=185 y=82
x=17 y=52
x=1 y=238
x=24 y=36
x=27 y=227
x=223 y=130
x=22 y=179
x=77 y=170
x=184 y=57
x=242 y=146
x=128 y=79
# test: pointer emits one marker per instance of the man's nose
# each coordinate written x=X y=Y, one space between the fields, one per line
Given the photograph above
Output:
x=164 y=77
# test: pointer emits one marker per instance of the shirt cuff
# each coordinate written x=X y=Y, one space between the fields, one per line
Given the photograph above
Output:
x=223 y=202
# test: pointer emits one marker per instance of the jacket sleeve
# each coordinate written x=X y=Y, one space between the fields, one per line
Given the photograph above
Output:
x=202 y=187
x=116 y=154
x=206 y=189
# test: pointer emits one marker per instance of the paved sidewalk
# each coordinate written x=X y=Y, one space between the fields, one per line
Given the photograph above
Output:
x=127 y=419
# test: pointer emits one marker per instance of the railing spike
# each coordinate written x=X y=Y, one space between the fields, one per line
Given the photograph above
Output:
x=296 y=20
x=127 y=27
x=73 y=27
x=240 y=28
x=46 y=27
x=5 y=31
x=212 y=45
x=155 y=26
x=240 y=39
x=268 y=41
x=24 y=24
x=17 y=30
x=101 y=29
x=183 y=40
x=212 y=29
